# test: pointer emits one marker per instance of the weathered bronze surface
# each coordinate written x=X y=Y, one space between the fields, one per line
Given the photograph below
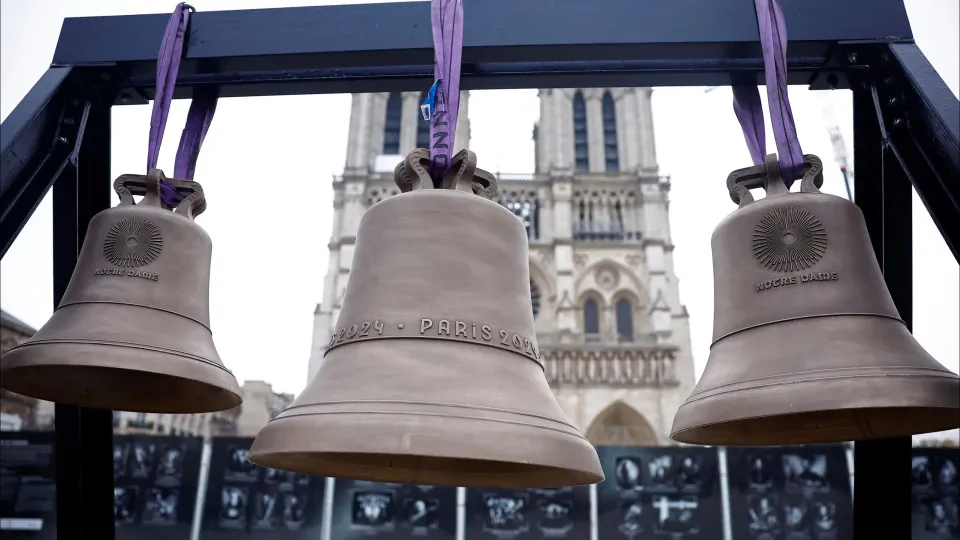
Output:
x=132 y=331
x=808 y=346
x=433 y=375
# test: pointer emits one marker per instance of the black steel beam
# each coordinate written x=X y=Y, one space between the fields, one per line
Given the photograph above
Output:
x=507 y=44
x=882 y=191
x=922 y=118
x=84 y=447
x=36 y=141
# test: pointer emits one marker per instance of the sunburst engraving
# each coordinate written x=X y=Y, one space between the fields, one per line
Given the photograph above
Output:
x=789 y=239
x=133 y=242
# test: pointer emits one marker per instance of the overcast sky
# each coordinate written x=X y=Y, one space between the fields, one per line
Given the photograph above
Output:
x=269 y=260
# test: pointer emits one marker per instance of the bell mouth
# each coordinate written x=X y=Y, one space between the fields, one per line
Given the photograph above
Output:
x=427 y=470
x=415 y=447
x=821 y=427
x=48 y=375
x=818 y=380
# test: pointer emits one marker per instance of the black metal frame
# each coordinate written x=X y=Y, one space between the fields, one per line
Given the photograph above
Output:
x=907 y=126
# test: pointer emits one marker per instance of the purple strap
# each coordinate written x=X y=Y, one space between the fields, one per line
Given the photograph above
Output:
x=746 y=97
x=201 y=109
x=446 y=18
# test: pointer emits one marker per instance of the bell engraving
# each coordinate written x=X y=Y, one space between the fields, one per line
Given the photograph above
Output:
x=452 y=329
x=434 y=375
x=132 y=242
x=789 y=239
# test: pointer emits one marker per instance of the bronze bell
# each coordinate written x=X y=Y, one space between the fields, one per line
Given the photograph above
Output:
x=433 y=374
x=132 y=331
x=808 y=346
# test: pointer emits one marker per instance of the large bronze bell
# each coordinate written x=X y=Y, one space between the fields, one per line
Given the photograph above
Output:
x=132 y=331
x=808 y=346
x=433 y=374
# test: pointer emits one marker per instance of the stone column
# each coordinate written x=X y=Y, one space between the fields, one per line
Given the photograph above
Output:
x=462 y=133
x=409 y=120
x=561 y=109
x=358 y=142
x=648 y=150
x=595 y=130
x=563 y=257
x=376 y=123
x=546 y=134
x=546 y=217
x=628 y=130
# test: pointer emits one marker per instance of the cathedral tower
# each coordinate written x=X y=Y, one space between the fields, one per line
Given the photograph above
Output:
x=614 y=336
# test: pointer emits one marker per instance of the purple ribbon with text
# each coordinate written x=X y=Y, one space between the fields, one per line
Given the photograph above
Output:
x=446 y=18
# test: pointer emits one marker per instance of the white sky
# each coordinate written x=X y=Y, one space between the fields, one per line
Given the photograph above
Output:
x=270 y=256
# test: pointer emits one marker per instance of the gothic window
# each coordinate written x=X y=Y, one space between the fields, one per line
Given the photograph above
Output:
x=591 y=317
x=529 y=214
x=423 y=126
x=391 y=128
x=624 y=320
x=580 y=146
x=610 y=153
x=535 y=298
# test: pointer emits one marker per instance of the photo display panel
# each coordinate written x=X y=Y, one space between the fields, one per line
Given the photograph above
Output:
x=671 y=493
x=258 y=503
x=522 y=514
x=936 y=493
x=155 y=486
x=28 y=491
x=790 y=493
x=385 y=511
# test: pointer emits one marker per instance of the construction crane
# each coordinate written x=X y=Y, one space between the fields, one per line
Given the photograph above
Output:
x=836 y=139
x=840 y=153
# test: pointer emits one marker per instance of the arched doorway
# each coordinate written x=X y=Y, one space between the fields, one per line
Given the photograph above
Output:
x=621 y=425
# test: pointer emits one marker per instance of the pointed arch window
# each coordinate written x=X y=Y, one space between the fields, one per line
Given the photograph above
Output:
x=423 y=127
x=581 y=148
x=610 y=151
x=391 y=127
x=591 y=317
x=625 y=320
x=528 y=210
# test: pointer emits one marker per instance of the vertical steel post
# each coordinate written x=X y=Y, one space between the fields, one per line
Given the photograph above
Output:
x=594 y=513
x=330 y=483
x=723 y=469
x=204 y=479
x=883 y=192
x=84 y=437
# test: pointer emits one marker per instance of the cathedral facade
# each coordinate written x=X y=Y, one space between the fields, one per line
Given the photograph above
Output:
x=613 y=334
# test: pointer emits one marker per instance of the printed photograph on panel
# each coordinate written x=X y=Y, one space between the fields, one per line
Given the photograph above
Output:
x=659 y=492
x=233 y=508
x=124 y=504
x=246 y=501
x=390 y=511
x=790 y=492
x=936 y=493
x=161 y=506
